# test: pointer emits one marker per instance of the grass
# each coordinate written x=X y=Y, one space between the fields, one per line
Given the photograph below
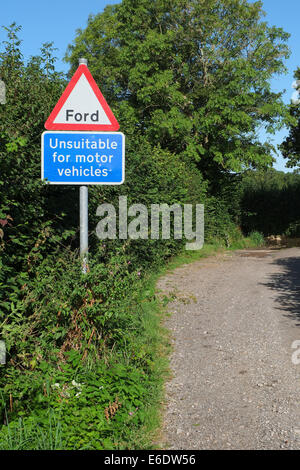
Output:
x=148 y=343
x=21 y=436
x=254 y=240
x=156 y=341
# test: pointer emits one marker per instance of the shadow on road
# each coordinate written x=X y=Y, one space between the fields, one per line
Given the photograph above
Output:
x=287 y=286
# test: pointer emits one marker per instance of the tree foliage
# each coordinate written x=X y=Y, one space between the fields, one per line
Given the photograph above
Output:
x=191 y=75
x=290 y=147
x=270 y=202
x=28 y=208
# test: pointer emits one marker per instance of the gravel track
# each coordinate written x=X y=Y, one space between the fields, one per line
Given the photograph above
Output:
x=232 y=323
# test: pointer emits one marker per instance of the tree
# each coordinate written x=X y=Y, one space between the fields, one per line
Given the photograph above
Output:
x=191 y=75
x=290 y=147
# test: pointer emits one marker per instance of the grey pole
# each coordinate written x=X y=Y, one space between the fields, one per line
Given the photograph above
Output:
x=2 y=92
x=83 y=61
x=84 y=216
x=84 y=227
x=2 y=353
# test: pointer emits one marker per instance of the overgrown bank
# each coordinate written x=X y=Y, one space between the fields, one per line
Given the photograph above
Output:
x=94 y=373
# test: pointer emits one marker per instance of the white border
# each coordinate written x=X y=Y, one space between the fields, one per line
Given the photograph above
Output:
x=83 y=183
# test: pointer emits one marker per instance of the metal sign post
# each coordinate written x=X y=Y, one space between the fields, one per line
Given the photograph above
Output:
x=84 y=226
x=84 y=215
x=2 y=92
x=2 y=353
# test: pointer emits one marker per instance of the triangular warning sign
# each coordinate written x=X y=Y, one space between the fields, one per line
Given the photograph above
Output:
x=82 y=107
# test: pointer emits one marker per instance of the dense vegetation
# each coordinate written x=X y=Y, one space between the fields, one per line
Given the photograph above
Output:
x=189 y=83
x=270 y=203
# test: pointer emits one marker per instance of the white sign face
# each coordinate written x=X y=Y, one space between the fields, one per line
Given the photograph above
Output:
x=82 y=106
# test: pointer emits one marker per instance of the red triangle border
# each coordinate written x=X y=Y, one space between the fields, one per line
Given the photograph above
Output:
x=49 y=124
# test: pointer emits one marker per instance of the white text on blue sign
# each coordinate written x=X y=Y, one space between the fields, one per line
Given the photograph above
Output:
x=83 y=157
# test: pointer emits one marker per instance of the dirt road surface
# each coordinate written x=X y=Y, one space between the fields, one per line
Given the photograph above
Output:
x=233 y=322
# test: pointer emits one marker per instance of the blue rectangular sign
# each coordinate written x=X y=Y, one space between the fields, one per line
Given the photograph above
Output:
x=83 y=157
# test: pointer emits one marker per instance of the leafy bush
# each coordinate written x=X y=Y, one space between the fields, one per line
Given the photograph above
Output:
x=269 y=202
x=83 y=354
x=293 y=230
x=257 y=239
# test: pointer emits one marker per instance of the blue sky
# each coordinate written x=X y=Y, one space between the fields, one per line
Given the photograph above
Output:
x=58 y=20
